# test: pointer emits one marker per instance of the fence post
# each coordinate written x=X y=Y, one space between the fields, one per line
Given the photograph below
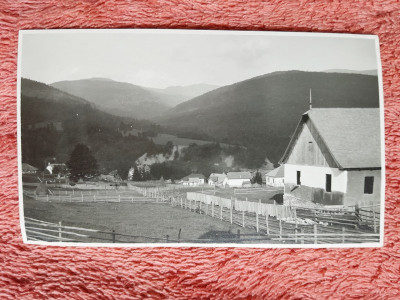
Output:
x=221 y=209
x=190 y=204
x=302 y=235
x=315 y=234
x=343 y=234
x=119 y=197
x=200 y=207
x=280 y=228
x=59 y=197
x=266 y=222
x=70 y=198
x=212 y=208
x=238 y=234
x=35 y=196
x=132 y=199
x=59 y=232
x=94 y=197
x=47 y=196
x=181 y=202
x=206 y=209
x=113 y=235
x=257 y=229
x=231 y=211
x=373 y=215
x=81 y=197
x=179 y=234
x=167 y=238
x=243 y=218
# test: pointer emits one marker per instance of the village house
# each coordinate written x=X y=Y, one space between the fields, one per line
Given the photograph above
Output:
x=237 y=179
x=216 y=179
x=113 y=176
x=334 y=158
x=193 y=180
x=275 y=177
x=28 y=169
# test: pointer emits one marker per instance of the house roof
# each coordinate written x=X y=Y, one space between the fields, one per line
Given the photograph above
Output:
x=239 y=175
x=28 y=168
x=200 y=176
x=277 y=173
x=352 y=135
x=216 y=177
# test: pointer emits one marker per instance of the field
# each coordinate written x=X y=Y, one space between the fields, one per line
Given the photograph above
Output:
x=144 y=219
x=266 y=195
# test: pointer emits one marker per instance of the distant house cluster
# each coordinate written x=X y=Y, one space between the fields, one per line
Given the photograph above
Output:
x=230 y=179
x=58 y=126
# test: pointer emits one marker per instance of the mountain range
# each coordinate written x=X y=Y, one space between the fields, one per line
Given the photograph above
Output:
x=175 y=95
x=373 y=72
x=129 y=100
x=118 y=98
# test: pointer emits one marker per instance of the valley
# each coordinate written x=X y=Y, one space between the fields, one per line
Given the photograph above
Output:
x=249 y=122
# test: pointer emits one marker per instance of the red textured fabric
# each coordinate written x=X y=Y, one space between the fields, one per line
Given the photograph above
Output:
x=35 y=272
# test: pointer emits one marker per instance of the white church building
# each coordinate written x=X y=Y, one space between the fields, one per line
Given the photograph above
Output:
x=334 y=158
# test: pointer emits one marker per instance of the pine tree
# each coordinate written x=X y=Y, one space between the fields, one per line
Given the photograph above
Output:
x=257 y=178
x=82 y=163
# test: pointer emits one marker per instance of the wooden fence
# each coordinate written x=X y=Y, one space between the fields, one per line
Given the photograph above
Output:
x=279 y=222
x=39 y=230
x=92 y=196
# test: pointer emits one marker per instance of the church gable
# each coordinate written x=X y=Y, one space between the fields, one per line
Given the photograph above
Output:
x=309 y=148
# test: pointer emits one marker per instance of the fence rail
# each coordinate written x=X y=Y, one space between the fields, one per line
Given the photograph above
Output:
x=38 y=230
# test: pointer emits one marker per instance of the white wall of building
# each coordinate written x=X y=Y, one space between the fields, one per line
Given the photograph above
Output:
x=314 y=176
x=236 y=182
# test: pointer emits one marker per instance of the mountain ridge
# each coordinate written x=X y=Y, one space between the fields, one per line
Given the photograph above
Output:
x=118 y=98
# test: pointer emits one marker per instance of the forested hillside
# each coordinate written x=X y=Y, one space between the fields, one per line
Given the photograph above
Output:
x=81 y=123
x=261 y=113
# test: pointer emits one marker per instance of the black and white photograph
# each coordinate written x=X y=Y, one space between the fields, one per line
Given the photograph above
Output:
x=139 y=137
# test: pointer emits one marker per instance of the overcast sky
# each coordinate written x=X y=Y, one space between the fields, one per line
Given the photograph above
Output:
x=156 y=59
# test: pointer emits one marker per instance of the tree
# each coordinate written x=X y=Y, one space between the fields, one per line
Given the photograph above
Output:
x=257 y=178
x=81 y=162
x=136 y=174
x=169 y=146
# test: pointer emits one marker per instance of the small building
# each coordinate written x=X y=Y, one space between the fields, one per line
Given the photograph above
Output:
x=238 y=179
x=193 y=180
x=216 y=179
x=57 y=169
x=28 y=169
x=276 y=177
x=334 y=158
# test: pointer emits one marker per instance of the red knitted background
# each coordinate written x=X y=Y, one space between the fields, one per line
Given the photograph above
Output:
x=32 y=272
